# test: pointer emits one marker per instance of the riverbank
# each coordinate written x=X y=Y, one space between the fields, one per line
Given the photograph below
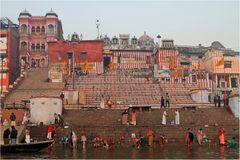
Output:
x=107 y=124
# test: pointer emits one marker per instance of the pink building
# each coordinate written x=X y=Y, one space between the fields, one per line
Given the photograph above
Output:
x=35 y=32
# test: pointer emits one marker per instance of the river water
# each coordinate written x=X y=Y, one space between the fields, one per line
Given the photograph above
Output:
x=169 y=151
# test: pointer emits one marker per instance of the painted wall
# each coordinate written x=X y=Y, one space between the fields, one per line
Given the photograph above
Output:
x=234 y=105
x=200 y=96
x=42 y=109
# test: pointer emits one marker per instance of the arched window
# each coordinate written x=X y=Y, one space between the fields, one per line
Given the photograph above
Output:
x=33 y=46
x=50 y=28
x=24 y=28
x=38 y=46
x=33 y=29
x=23 y=45
x=38 y=29
x=43 y=46
x=43 y=29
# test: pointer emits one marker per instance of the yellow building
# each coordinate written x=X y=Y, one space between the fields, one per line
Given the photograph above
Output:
x=224 y=70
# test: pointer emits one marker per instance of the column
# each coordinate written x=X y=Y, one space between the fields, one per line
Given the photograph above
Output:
x=230 y=83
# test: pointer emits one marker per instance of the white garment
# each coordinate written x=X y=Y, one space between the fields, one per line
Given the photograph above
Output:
x=102 y=105
x=84 y=139
x=74 y=137
x=27 y=138
x=164 y=120
x=177 y=117
x=49 y=135
x=74 y=140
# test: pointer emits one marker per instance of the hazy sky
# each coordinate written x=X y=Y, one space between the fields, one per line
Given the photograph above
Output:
x=187 y=22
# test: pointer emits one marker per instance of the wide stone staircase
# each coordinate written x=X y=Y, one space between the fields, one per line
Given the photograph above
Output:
x=108 y=123
x=35 y=84
x=180 y=94
x=123 y=90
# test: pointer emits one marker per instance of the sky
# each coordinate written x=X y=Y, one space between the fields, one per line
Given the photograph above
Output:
x=186 y=22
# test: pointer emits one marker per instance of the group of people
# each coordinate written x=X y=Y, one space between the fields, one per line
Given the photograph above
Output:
x=176 y=117
x=202 y=138
x=102 y=102
x=72 y=139
x=10 y=133
x=58 y=120
x=165 y=101
x=217 y=100
x=126 y=120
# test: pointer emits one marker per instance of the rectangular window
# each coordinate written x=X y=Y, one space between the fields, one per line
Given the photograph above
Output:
x=83 y=56
x=227 y=64
x=118 y=59
x=234 y=82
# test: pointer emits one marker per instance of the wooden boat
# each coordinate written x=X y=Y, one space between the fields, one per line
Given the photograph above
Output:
x=26 y=147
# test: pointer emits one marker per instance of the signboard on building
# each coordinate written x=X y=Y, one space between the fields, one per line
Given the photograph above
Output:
x=55 y=76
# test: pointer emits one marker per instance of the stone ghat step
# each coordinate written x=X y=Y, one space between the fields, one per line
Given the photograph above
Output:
x=40 y=132
x=208 y=116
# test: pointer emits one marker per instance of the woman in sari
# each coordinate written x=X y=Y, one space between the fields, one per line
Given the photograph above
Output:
x=134 y=118
x=222 y=136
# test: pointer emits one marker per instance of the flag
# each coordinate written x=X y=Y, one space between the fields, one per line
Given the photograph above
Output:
x=111 y=65
x=171 y=63
x=220 y=63
x=86 y=65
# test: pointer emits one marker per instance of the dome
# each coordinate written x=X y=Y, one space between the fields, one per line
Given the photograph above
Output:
x=25 y=13
x=145 y=37
x=51 y=13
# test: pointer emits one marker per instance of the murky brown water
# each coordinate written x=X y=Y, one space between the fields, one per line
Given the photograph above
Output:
x=169 y=151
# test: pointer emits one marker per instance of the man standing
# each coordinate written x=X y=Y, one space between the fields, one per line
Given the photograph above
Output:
x=215 y=99
x=167 y=100
x=13 y=118
x=177 y=117
x=219 y=101
x=189 y=137
x=13 y=135
x=164 y=118
x=162 y=102
x=6 y=134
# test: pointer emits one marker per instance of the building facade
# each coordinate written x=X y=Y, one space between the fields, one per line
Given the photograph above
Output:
x=35 y=33
x=223 y=70
x=125 y=42
x=9 y=53
x=82 y=55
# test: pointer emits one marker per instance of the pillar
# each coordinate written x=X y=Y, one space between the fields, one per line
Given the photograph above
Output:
x=230 y=83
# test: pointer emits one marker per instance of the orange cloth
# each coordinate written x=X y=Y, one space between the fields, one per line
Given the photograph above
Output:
x=134 y=118
x=222 y=136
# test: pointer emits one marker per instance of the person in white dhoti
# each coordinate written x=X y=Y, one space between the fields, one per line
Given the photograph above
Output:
x=177 y=117
x=102 y=105
x=164 y=118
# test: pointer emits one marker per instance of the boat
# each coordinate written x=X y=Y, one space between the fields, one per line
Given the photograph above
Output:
x=26 y=147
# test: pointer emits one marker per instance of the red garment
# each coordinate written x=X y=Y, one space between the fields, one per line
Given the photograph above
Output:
x=221 y=131
x=51 y=128
x=150 y=133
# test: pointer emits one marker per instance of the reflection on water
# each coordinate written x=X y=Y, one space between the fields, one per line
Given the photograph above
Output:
x=166 y=152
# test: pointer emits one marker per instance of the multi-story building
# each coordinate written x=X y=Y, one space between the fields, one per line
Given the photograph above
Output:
x=9 y=53
x=35 y=32
x=224 y=70
x=75 y=55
